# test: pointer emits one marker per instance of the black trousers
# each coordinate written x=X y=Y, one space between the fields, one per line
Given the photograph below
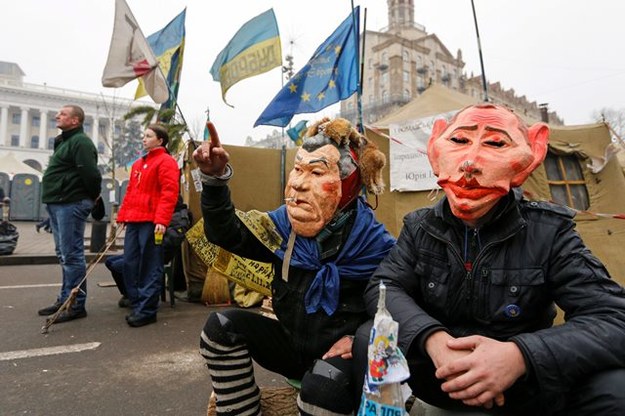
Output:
x=600 y=394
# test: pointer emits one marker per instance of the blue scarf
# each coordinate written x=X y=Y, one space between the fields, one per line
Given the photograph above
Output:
x=367 y=244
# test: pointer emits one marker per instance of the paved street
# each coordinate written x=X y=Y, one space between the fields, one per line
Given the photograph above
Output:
x=97 y=365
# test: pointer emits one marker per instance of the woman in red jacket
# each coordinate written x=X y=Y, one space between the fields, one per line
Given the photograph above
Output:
x=146 y=210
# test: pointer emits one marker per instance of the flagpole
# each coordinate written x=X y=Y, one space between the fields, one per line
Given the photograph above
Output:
x=361 y=127
x=479 y=48
x=171 y=92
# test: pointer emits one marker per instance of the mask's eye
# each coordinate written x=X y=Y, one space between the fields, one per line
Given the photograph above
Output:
x=459 y=140
x=495 y=143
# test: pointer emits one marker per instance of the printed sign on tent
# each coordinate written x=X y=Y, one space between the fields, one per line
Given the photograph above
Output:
x=410 y=168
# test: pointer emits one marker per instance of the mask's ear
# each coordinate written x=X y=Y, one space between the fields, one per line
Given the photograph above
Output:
x=538 y=138
x=437 y=129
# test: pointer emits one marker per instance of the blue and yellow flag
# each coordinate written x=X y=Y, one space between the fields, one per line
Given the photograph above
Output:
x=297 y=132
x=253 y=50
x=329 y=76
x=168 y=46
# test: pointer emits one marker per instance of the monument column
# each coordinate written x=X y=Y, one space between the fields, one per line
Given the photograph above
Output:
x=43 y=129
x=24 y=127
x=4 y=125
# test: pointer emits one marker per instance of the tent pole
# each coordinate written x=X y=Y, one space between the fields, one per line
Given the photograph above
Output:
x=479 y=48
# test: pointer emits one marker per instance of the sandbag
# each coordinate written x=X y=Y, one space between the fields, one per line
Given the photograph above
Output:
x=8 y=238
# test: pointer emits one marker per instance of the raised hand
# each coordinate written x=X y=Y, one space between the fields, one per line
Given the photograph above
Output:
x=210 y=157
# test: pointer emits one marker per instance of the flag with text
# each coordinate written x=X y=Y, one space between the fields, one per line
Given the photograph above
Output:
x=253 y=50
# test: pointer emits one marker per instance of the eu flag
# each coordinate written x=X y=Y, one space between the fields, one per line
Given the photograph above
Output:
x=329 y=76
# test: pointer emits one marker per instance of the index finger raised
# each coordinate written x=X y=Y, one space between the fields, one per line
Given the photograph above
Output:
x=214 y=137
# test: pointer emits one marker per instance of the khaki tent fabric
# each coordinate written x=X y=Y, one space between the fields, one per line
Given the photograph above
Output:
x=11 y=165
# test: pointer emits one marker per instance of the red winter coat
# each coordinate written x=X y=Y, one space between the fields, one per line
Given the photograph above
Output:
x=152 y=190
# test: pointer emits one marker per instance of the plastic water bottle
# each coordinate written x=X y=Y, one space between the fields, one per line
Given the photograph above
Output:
x=382 y=393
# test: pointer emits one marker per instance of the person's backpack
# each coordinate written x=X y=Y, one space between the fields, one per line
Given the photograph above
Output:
x=8 y=237
x=179 y=225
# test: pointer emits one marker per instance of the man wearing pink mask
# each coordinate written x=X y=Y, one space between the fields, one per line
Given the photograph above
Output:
x=473 y=282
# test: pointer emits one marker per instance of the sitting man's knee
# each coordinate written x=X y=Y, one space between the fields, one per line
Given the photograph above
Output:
x=325 y=388
x=220 y=329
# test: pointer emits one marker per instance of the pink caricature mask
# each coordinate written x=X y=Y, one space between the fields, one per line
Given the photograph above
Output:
x=313 y=190
x=483 y=152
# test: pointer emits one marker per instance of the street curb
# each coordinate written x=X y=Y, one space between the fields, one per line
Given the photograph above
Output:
x=41 y=259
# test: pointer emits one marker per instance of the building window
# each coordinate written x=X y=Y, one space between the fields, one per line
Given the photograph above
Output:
x=101 y=147
x=406 y=77
x=52 y=123
x=34 y=142
x=15 y=140
x=406 y=56
x=50 y=143
x=101 y=129
x=566 y=181
x=407 y=94
x=35 y=121
x=86 y=126
x=17 y=118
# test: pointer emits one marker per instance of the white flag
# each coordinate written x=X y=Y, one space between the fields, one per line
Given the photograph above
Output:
x=131 y=57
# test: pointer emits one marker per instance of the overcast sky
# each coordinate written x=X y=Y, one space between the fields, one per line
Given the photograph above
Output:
x=566 y=53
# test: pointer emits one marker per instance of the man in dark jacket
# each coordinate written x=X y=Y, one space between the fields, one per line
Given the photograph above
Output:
x=70 y=185
x=473 y=283
x=323 y=243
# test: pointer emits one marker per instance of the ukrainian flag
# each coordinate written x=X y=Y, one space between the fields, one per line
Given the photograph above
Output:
x=253 y=50
x=168 y=46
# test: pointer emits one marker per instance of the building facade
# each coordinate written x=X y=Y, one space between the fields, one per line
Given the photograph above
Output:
x=402 y=60
x=27 y=117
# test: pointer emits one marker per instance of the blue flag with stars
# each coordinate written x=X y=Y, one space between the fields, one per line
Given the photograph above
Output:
x=329 y=76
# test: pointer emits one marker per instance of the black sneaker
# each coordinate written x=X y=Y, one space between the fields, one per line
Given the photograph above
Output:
x=50 y=309
x=70 y=315
x=124 y=302
x=137 y=322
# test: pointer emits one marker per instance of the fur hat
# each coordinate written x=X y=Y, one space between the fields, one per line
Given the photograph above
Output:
x=357 y=152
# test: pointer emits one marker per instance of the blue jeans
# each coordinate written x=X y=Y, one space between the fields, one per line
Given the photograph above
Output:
x=68 y=228
x=143 y=268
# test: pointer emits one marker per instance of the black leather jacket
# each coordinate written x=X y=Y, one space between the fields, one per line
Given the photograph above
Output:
x=527 y=257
